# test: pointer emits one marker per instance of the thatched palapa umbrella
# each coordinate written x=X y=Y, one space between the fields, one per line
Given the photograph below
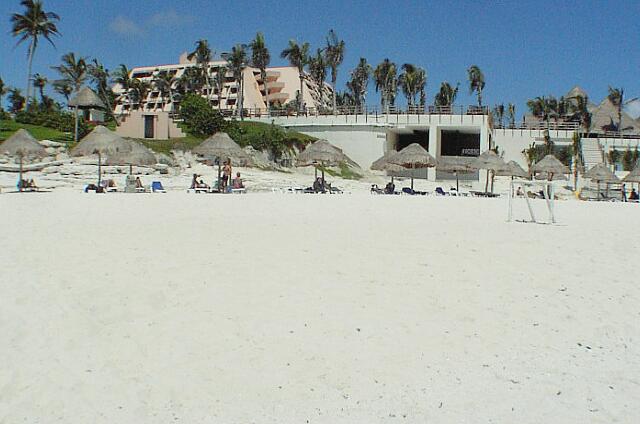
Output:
x=457 y=164
x=22 y=145
x=552 y=167
x=220 y=146
x=324 y=153
x=382 y=164
x=102 y=141
x=601 y=173
x=513 y=170
x=413 y=156
x=84 y=99
x=490 y=161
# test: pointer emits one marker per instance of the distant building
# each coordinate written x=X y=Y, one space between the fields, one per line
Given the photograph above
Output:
x=283 y=84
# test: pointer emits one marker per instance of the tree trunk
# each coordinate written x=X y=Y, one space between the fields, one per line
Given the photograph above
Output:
x=266 y=91
x=75 y=134
x=333 y=84
x=32 y=49
x=301 y=102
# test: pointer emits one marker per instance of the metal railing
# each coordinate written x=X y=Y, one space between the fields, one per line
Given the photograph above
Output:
x=365 y=110
x=557 y=126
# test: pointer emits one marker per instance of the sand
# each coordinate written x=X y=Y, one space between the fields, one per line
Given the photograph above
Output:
x=275 y=308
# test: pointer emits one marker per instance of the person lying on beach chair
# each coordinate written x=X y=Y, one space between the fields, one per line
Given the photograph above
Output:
x=376 y=190
x=319 y=186
x=440 y=191
x=27 y=185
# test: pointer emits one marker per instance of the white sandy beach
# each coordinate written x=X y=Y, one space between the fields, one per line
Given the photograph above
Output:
x=274 y=308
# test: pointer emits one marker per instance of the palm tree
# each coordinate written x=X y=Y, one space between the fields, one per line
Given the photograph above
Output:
x=335 y=55
x=39 y=82
x=164 y=82
x=318 y=69
x=421 y=84
x=498 y=111
x=409 y=82
x=298 y=56
x=141 y=89
x=476 y=82
x=202 y=55
x=385 y=77
x=580 y=110
x=511 y=114
x=446 y=97
x=260 y=58
x=237 y=61
x=3 y=91
x=616 y=97
x=73 y=70
x=543 y=107
x=100 y=77
x=122 y=76
x=576 y=147
x=16 y=99
x=219 y=81
x=63 y=88
x=359 y=82
x=32 y=25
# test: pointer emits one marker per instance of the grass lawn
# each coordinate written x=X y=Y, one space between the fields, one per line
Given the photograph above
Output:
x=7 y=128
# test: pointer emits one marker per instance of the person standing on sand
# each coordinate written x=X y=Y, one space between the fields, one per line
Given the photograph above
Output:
x=226 y=174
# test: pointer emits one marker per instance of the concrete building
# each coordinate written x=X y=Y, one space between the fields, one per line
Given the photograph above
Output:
x=283 y=84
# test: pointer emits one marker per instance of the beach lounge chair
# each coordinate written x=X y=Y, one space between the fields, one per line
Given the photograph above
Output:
x=198 y=190
x=440 y=192
x=238 y=190
x=156 y=187
x=376 y=190
x=27 y=185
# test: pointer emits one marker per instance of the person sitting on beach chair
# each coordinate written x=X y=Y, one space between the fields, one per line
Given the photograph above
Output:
x=237 y=183
x=390 y=188
x=440 y=191
x=633 y=196
x=27 y=185
x=318 y=185
x=139 y=183
x=376 y=190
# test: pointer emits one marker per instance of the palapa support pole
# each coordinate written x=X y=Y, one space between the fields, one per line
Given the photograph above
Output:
x=20 y=176
x=99 y=168
x=486 y=184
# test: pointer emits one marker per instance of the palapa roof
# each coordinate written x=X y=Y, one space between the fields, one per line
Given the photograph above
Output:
x=633 y=176
x=221 y=146
x=381 y=163
x=489 y=160
x=139 y=155
x=551 y=165
x=21 y=143
x=413 y=156
x=86 y=98
x=322 y=152
x=601 y=173
x=605 y=117
x=457 y=164
x=512 y=169
x=101 y=140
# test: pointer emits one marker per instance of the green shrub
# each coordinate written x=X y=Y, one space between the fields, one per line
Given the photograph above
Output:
x=199 y=117
x=61 y=121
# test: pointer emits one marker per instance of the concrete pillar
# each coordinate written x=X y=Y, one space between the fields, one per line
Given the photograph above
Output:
x=435 y=138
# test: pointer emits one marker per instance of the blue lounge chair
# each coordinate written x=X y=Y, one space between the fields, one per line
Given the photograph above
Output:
x=440 y=191
x=156 y=187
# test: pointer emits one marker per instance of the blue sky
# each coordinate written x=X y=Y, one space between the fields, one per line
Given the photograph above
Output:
x=525 y=48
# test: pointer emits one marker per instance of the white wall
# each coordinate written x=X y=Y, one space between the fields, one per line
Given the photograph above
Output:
x=513 y=141
x=362 y=144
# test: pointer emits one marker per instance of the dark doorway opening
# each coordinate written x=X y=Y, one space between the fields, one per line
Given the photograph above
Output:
x=417 y=136
x=148 y=126
x=456 y=143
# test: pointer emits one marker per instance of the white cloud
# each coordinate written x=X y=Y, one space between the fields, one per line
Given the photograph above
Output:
x=167 y=19
x=125 y=26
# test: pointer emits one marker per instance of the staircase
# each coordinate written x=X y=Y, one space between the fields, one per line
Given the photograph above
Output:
x=592 y=152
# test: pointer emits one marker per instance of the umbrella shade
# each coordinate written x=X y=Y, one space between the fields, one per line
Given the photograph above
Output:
x=139 y=156
x=457 y=164
x=512 y=169
x=382 y=163
x=221 y=146
x=86 y=99
x=601 y=173
x=22 y=144
x=324 y=153
x=550 y=164
x=101 y=140
x=633 y=176
x=413 y=156
x=489 y=160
